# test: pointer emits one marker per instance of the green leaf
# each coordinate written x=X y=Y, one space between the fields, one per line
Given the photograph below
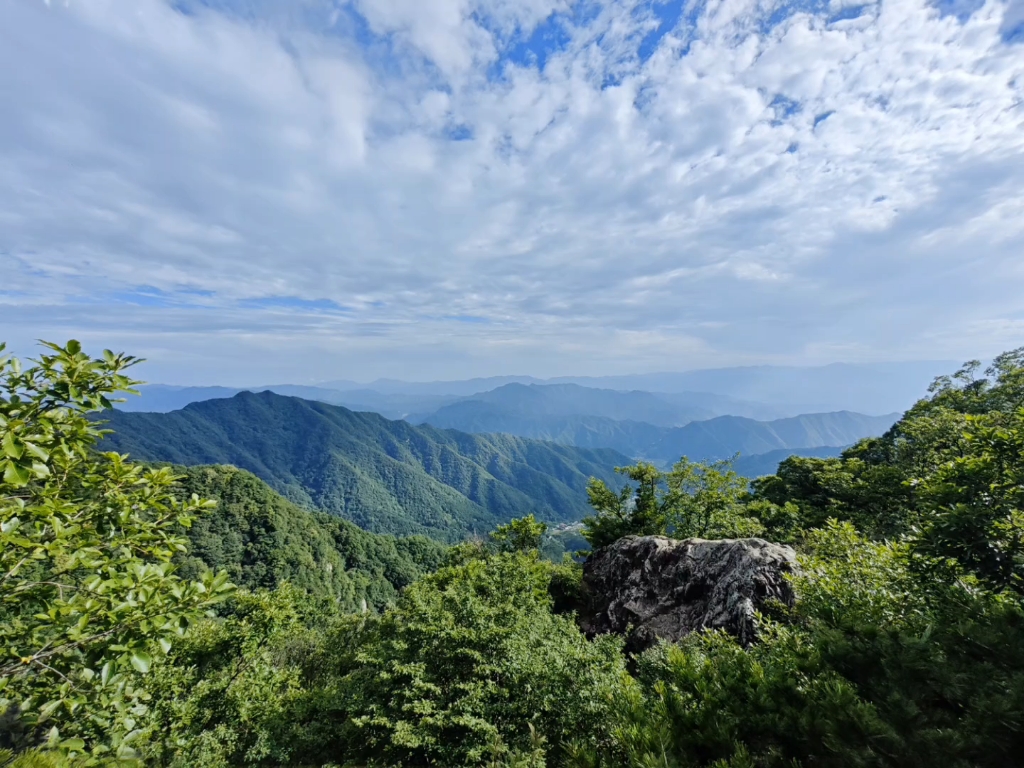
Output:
x=141 y=661
x=12 y=447
x=16 y=475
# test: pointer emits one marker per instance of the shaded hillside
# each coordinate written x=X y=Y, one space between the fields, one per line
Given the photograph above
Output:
x=628 y=437
x=726 y=435
x=386 y=476
x=262 y=540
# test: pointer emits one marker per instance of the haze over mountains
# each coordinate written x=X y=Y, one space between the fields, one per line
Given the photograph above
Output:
x=629 y=422
x=759 y=392
x=763 y=413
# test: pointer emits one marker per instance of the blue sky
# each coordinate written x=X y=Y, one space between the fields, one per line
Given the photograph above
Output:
x=255 y=190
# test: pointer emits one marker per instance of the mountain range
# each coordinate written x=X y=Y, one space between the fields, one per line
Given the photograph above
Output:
x=385 y=476
x=393 y=477
x=873 y=388
x=758 y=392
x=646 y=425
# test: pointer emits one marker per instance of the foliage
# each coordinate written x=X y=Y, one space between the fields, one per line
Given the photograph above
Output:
x=471 y=656
x=705 y=501
x=88 y=594
x=262 y=541
x=973 y=504
x=521 y=535
x=692 y=499
x=632 y=511
x=234 y=691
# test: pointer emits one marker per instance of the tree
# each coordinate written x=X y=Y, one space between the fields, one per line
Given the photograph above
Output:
x=472 y=665
x=520 y=535
x=88 y=594
x=632 y=511
x=704 y=499
x=691 y=499
x=973 y=504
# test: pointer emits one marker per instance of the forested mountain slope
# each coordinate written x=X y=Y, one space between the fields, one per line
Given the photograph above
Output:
x=632 y=438
x=263 y=540
x=385 y=476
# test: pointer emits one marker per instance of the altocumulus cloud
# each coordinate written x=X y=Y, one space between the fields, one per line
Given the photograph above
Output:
x=240 y=190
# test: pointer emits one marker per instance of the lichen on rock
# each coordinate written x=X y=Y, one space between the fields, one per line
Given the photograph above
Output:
x=650 y=587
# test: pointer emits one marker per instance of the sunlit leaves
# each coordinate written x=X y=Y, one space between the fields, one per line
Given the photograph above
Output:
x=88 y=594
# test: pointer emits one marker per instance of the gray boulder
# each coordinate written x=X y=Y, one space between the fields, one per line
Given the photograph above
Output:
x=649 y=587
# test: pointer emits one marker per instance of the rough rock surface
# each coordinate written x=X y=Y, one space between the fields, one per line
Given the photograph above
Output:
x=649 y=587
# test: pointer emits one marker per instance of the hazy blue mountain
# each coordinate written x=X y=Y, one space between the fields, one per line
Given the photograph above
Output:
x=874 y=388
x=459 y=388
x=767 y=463
x=757 y=392
x=161 y=398
x=412 y=408
x=537 y=417
x=536 y=401
x=724 y=436
x=386 y=476
x=723 y=405
x=629 y=437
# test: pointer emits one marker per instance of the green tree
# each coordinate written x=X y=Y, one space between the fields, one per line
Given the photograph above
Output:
x=638 y=511
x=520 y=535
x=242 y=689
x=704 y=499
x=472 y=657
x=972 y=506
x=692 y=499
x=88 y=595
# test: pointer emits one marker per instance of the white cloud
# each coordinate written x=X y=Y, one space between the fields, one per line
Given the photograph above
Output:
x=748 y=192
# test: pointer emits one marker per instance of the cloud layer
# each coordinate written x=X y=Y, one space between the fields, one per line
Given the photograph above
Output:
x=443 y=188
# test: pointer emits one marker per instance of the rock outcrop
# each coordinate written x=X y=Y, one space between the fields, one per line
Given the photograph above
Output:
x=649 y=587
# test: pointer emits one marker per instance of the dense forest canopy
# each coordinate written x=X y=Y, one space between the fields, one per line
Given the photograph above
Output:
x=317 y=644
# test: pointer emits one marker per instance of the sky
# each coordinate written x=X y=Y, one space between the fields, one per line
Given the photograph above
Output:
x=262 y=190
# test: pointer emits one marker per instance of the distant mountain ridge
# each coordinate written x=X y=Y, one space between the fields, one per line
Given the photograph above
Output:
x=759 y=392
x=724 y=436
x=763 y=464
x=874 y=388
x=538 y=403
x=386 y=476
x=164 y=398
x=580 y=416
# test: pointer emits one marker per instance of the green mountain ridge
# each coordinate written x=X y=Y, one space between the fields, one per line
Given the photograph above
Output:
x=263 y=540
x=385 y=476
